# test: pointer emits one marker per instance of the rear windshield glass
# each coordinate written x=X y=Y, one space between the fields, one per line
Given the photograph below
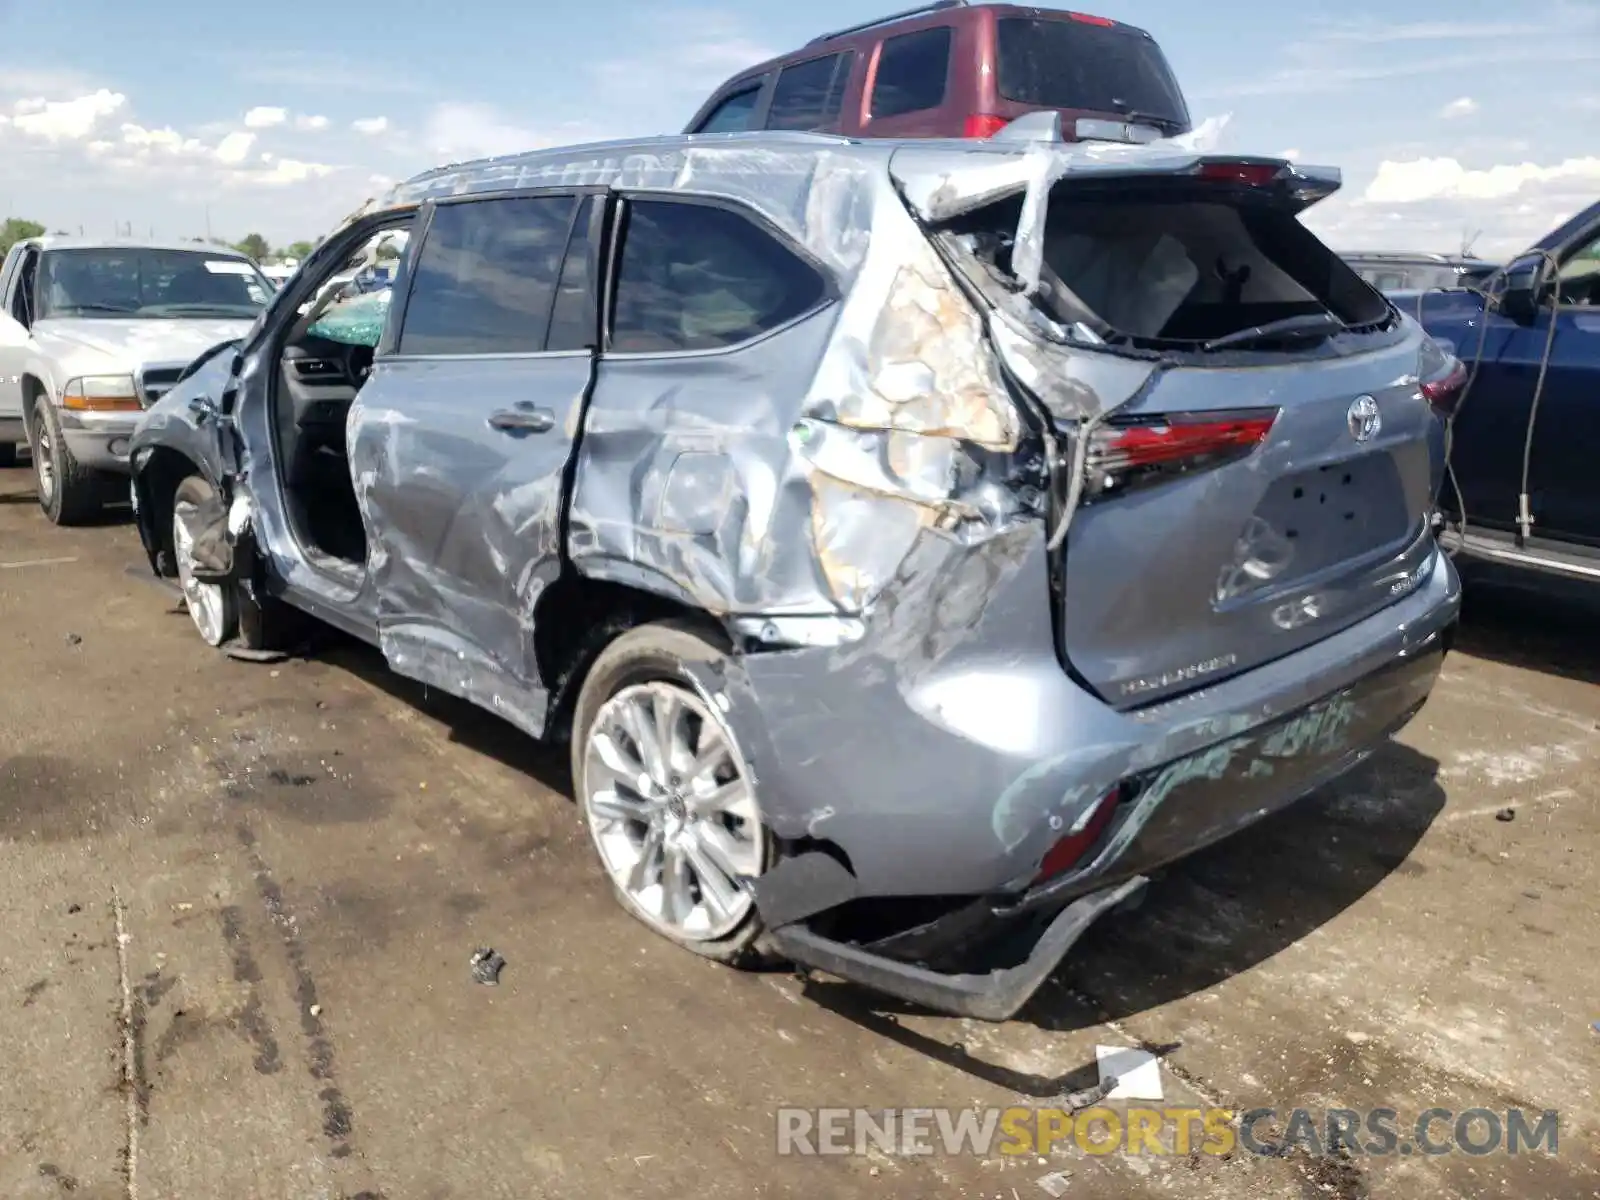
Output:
x=1176 y=270
x=1098 y=68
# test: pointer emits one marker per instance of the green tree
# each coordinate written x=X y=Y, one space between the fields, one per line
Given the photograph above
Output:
x=300 y=250
x=254 y=245
x=15 y=230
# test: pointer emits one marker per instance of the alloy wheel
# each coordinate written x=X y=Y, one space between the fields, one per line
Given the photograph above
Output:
x=205 y=600
x=672 y=810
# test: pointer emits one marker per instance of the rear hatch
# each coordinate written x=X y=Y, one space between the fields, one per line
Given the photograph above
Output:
x=1267 y=482
x=1102 y=76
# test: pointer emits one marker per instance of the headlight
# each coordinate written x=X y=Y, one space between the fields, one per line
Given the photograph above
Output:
x=100 y=393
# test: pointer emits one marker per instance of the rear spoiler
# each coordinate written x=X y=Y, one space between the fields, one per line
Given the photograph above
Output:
x=943 y=179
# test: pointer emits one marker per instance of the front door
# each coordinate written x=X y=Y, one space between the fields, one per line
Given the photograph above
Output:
x=1492 y=423
x=461 y=441
x=1566 y=431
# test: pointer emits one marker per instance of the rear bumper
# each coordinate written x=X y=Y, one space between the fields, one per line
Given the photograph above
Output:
x=99 y=441
x=1171 y=812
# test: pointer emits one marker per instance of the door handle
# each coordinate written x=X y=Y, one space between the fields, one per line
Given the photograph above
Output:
x=523 y=418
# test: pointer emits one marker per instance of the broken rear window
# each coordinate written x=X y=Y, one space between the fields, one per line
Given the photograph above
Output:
x=1170 y=264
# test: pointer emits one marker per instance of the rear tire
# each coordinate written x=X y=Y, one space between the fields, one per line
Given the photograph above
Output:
x=69 y=493
x=673 y=813
x=213 y=607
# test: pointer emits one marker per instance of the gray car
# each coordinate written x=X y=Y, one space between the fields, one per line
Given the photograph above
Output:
x=93 y=331
x=917 y=543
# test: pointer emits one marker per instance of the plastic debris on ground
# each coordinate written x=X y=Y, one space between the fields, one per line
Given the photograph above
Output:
x=486 y=966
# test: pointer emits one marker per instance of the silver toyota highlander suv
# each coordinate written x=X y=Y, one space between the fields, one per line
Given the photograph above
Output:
x=918 y=543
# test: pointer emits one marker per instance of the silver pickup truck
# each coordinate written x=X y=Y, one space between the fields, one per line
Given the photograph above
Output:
x=92 y=332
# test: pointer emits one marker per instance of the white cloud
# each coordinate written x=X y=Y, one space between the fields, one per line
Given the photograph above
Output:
x=304 y=121
x=457 y=130
x=265 y=117
x=370 y=125
x=235 y=148
x=168 y=140
x=1384 y=32
x=66 y=120
x=1445 y=178
x=689 y=53
x=1463 y=107
x=290 y=170
x=1291 y=154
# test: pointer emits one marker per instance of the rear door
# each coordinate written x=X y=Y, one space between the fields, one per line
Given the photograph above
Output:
x=461 y=440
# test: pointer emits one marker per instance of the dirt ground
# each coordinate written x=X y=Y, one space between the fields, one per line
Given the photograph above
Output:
x=303 y=857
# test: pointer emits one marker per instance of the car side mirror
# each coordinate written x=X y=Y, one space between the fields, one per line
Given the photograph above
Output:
x=1524 y=287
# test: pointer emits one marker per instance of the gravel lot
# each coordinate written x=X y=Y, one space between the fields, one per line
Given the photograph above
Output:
x=304 y=856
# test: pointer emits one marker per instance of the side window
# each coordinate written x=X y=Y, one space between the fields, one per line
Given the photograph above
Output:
x=485 y=277
x=697 y=277
x=1578 y=281
x=734 y=114
x=806 y=96
x=22 y=298
x=912 y=70
x=574 y=317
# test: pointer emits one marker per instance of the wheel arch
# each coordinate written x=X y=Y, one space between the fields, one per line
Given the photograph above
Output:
x=156 y=480
x=33 y=386
x=578 y=616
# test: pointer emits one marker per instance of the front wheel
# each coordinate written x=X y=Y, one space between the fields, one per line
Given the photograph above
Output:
x=668 y=797
x=69 y=493
x=196 y=510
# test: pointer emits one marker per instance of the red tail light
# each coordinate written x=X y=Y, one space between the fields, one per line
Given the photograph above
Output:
x=1123 y=455
x=1251 y=173
x=982 y=125
x=1088 y=20
x=1077 y=841
x=1444 y=391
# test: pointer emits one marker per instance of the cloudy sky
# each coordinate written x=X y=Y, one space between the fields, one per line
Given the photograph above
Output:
x=1451 y=120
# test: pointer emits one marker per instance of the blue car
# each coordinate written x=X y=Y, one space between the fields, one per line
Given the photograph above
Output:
x=1524 y=404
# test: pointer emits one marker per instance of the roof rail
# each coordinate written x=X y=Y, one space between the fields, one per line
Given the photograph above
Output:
x=936 y=6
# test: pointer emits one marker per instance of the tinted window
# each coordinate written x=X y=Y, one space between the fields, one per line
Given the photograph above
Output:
x=734 y=114
x=806 y=96
x=486 y=277
x=912 y=69
x=1100 y=68
x=695 y=277
x=574 y=316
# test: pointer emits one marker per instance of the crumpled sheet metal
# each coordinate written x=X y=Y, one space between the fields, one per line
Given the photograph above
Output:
x=820 y=198
x=473 y=641
x=944 y=180
x=792 y=477
x=957 y=660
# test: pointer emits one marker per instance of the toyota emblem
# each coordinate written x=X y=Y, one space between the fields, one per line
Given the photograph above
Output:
x=1364 y=419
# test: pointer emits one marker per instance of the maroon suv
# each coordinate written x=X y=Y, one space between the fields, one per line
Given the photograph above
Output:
x=954 y=69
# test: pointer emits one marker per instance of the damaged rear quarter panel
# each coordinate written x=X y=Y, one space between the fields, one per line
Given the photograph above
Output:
x=793 y=475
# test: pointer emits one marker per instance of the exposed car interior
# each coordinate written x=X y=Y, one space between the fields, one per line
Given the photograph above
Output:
x=1167 y=268
x=324 y=363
